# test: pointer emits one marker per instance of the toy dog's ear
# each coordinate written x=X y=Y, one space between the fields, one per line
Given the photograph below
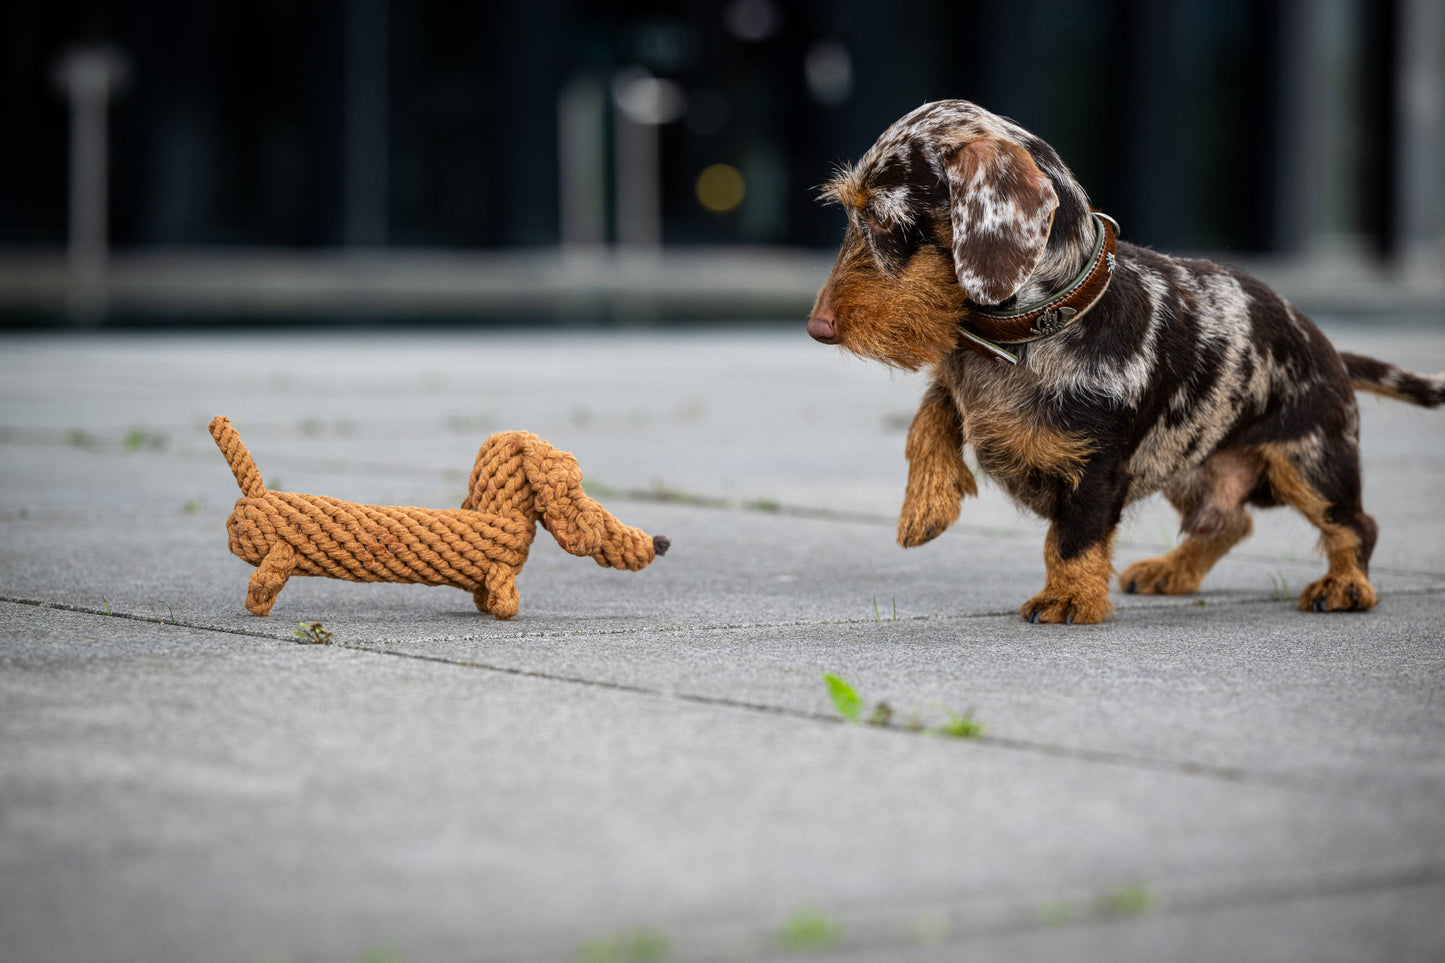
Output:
x=1001 y=208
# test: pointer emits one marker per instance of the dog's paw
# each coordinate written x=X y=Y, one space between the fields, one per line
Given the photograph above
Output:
x=924 y=519
x=1159 y=576
x=1338 y=593
x=1067 y=608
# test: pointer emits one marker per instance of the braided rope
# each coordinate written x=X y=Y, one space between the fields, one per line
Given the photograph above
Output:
x=518 y=480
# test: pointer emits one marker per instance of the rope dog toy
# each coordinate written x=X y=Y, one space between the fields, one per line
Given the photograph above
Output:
x=518 y=480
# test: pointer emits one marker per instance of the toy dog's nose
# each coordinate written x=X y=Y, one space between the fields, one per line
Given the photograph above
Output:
x=823 y=328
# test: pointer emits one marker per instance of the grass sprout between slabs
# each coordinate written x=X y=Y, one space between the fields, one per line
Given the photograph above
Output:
x=852 y=706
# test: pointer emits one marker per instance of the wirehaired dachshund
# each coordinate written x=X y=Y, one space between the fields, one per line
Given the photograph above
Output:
x=1087 y=373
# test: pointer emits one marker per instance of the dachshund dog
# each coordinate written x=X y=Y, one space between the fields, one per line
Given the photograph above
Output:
x=517 y=481
x=1086 y=373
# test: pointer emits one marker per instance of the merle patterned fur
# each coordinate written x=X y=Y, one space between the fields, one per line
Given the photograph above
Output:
x=1188 y=378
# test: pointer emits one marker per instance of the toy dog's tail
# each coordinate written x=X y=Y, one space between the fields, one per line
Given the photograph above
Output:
x=229 y=441
x=1377 y=377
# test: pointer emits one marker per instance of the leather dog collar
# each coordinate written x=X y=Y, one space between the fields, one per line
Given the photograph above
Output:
x=985 y=330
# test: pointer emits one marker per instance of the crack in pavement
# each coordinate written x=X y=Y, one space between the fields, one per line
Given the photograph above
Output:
x=1108 y=757
x=954 y=922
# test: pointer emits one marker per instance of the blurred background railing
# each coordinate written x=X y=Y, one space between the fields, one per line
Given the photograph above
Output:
x=549 y=160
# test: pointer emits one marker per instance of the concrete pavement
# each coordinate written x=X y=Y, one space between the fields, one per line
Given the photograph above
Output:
x=648 y=766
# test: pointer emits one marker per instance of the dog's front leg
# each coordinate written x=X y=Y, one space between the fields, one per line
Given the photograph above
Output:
x=938 y=479
x=1078 y=551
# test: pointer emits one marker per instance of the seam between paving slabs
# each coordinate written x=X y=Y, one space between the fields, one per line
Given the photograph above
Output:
x=1024 y=916
x=960 y=923
x=1006 y=743
x=953 y=923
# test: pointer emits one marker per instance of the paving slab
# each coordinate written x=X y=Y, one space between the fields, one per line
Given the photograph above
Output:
x=648 y=758
x=212 y=786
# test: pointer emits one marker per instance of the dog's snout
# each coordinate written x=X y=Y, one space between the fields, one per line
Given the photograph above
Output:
x=823 y=328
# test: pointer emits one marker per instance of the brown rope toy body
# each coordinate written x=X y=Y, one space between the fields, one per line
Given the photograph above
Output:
x=517 y=481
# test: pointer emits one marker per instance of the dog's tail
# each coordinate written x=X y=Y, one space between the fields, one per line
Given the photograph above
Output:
x=1377 y=377
x=229 y=441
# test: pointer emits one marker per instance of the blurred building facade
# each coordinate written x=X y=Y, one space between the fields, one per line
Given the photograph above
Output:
x=1247 y=125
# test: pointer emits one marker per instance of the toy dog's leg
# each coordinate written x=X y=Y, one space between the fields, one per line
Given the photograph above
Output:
x=1323 y=483
x=1213 y=518
x=938 y=479
x=498 y=596
x=269 y=578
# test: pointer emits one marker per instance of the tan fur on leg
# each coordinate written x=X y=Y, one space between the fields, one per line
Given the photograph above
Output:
x=938 y=480
x=1345 y=586
x=1182 y=570
x=1077 y=590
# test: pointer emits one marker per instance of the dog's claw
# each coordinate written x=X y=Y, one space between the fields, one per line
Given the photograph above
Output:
x=1354 y=596
x=1034 y=616
x=1159 y=586
x=1069 y=619
x=1319 y=605
x=1132 y=588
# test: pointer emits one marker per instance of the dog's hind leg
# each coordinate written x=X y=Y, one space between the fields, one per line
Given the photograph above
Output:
x=1213 y=520
x=1321 y=478
x=270 y=578
x=938 y=479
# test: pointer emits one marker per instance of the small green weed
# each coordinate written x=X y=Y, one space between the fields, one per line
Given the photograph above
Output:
x=80 y=438
x=1056 y=912
x=845 y=697
x=879 y=615
x=312 y=632
x=1281 y=587
x=961 y=726
x=138 y=439
x=1133 y=900
x=106 y=602
x=168 y=609
x=850 y=705
x=642 y=945
x=809 y=931
x=468 y=424
x=763 y=505
x=931 y=929
x=192 y=507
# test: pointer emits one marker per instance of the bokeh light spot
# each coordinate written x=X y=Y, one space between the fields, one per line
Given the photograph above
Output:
x=720 y=188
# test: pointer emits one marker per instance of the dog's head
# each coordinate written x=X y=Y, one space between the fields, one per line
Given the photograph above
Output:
x=952 y=206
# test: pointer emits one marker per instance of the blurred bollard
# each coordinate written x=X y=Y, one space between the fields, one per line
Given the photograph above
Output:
x=644 y=103
x=366 y=127
x=88 y=77
x=582 y=166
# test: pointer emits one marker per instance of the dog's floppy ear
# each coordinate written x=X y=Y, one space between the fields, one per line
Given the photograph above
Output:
x=1001 y=207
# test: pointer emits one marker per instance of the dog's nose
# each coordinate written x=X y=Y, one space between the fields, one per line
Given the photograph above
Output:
x=823 y=329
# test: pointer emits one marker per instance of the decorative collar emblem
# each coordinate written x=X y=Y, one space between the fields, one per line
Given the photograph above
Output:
x=986 y=330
